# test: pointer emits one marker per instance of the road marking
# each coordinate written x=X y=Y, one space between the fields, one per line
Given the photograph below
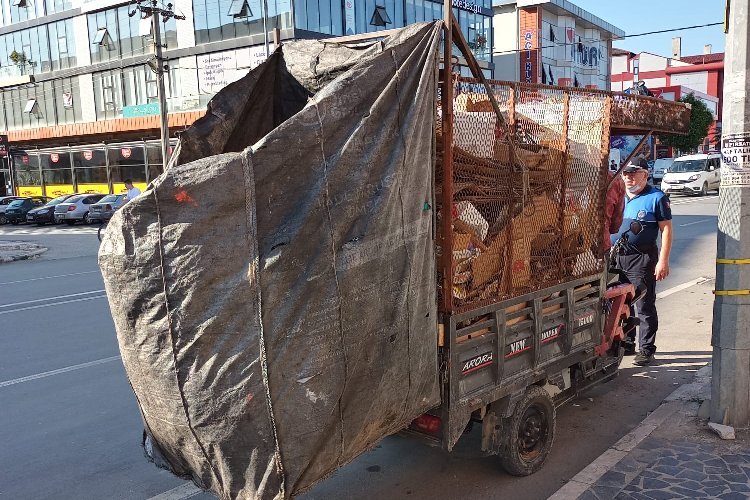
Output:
x=51 y=298
x=696 y=222
x=58 y=371
x=47 y=277
x=53 y=304
x=182 y=492
x=679 y=288
x=695 y=200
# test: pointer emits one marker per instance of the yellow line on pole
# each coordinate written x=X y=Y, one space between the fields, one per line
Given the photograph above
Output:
x=733 y=261
x=731 y=292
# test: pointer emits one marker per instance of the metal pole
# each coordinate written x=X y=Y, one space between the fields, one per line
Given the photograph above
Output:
x=163 y=111
x=265 y=26
x=446 y=241
x=730 y=384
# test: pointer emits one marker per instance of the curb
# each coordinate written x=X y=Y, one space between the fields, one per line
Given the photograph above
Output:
x=585 y=479
x=22 y=256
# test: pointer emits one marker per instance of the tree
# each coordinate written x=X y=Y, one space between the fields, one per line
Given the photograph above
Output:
x=700 y=119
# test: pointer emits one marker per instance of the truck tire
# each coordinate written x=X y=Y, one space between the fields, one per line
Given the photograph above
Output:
x=528 y=433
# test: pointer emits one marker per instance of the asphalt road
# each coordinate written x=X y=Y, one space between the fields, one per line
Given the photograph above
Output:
x=70 y=427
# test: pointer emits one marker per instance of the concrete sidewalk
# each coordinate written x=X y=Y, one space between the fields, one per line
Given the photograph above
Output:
x=19 y=250
x=671 y=454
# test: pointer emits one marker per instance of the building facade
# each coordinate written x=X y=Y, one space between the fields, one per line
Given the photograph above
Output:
x=553 y=42
x=673 y=78
x=79 y=102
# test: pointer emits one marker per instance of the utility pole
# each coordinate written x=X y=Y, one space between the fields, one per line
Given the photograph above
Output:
x=730 y=385
x=151 y=8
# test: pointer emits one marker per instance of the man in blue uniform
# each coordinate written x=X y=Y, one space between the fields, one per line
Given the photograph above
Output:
x=641 y=260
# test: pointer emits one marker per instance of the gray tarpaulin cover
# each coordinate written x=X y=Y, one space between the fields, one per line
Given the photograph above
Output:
x=273 y=291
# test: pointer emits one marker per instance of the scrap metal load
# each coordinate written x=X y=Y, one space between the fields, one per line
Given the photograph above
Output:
x=274 y=291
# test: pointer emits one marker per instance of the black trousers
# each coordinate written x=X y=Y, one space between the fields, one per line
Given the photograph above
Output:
x=640 y=271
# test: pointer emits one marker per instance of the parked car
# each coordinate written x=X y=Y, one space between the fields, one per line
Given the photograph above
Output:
x=4 y=202
x=46 y=213
x=76 y=208
x=660 y=168
x=104 y=209
x=17 y=210
x=693 y=174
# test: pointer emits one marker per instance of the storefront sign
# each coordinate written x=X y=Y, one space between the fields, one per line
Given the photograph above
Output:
x=137 y=110
x=4 y=145
x=126 y=152
x=88 y=154
x=466 y=5
x=216 y=71
x=54 y=157
x=735 y=159
x=587 y=55
x=349 y=16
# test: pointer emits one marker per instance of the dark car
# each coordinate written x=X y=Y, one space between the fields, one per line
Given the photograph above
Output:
x=45 y=213
x=17 y=210
x=104 y=209
x=4 y=202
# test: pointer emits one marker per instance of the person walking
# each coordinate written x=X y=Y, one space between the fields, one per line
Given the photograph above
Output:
x=133 y=191
x=641 y=259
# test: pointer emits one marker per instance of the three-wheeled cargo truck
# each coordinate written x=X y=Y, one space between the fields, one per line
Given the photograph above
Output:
x=353 y=243
x=530 y=314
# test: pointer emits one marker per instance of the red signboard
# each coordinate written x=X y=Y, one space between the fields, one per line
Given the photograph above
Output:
x=54 y=157
x=88 y=154
x=126 y=152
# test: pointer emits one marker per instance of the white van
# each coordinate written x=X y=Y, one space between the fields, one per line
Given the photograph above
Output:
x=693 y=174
x=660 y=168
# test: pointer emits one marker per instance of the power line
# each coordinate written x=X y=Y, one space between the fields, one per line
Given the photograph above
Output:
x=614 y=38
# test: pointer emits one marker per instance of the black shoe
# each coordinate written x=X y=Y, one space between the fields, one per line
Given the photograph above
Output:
x=643 y=358
x=629 y=348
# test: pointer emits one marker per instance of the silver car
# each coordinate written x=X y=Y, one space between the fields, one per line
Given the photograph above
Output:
x=76 y=209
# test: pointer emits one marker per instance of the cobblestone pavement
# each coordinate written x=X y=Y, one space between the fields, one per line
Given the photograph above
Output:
x=681 y=458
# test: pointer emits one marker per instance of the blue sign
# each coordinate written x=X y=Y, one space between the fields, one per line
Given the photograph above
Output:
x=139 y=110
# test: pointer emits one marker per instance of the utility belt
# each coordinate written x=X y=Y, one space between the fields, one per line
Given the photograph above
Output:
x=637 y=250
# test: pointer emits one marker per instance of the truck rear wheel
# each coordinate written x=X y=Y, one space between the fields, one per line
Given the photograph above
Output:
x=528 y=433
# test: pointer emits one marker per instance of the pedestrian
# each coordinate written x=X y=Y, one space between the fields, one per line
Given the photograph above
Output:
x=641 y=259
x=133 y=191
x=614 y=206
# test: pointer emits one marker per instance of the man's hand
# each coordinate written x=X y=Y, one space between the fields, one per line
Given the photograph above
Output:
x=662 y=270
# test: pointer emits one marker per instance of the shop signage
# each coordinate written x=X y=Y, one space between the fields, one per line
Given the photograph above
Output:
x=216 y=71
x=467 y=6
x=587 y=55
x=126 y=152
x=3 y=145
x=528 y=66
x=54 y=157
x=88 y=154
x=137 y=110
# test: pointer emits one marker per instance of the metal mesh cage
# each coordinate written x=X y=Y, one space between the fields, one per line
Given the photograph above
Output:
x=527 y=191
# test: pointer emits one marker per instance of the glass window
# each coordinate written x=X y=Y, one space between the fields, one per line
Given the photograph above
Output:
x=52 y=6
x=127 y=162
x=300 y=14
x=91 y=175
x=27 y=170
